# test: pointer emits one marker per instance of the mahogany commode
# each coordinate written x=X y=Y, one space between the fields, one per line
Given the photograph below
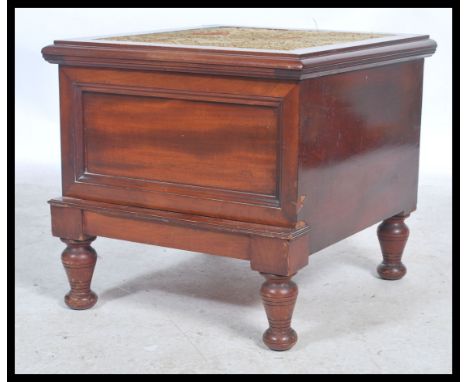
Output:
x=265 y=145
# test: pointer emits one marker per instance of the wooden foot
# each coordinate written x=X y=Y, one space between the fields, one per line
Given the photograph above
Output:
x=279 y=295
x=79 y=259
x=393 y=234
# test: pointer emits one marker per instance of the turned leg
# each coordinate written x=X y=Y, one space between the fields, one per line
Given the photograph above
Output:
x=79 y=259
x=393 y=234
x=279 y=295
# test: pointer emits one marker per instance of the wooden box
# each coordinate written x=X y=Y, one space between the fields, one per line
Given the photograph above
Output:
x=265 y=145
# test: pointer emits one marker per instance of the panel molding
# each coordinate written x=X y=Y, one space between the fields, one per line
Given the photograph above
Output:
x=82 y=175
x=279 y=209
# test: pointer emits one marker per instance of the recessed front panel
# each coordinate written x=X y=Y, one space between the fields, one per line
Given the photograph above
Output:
x=209 y=146
x=189 y=142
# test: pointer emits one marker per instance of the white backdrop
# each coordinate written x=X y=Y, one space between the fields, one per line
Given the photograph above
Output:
x=36 y=93
x=36 y=81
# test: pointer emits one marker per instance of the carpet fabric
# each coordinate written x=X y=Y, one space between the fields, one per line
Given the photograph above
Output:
x=248 y=38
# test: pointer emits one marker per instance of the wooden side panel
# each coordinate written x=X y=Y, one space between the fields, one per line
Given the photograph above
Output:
x=359 y=149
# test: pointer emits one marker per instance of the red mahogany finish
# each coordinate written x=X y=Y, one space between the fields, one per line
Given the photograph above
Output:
x=79 y=259
x=393 y=234
x=262 y=155
x=279 y=294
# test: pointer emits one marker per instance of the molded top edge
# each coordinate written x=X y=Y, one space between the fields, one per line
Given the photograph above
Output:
x=260 y=63
x=110 y=41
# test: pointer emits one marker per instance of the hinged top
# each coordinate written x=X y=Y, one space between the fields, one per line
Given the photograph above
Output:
x=242 y=51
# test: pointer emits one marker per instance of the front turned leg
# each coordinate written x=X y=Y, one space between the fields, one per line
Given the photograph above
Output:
x=79 y=259
x=393 y=234
x=279 y=295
